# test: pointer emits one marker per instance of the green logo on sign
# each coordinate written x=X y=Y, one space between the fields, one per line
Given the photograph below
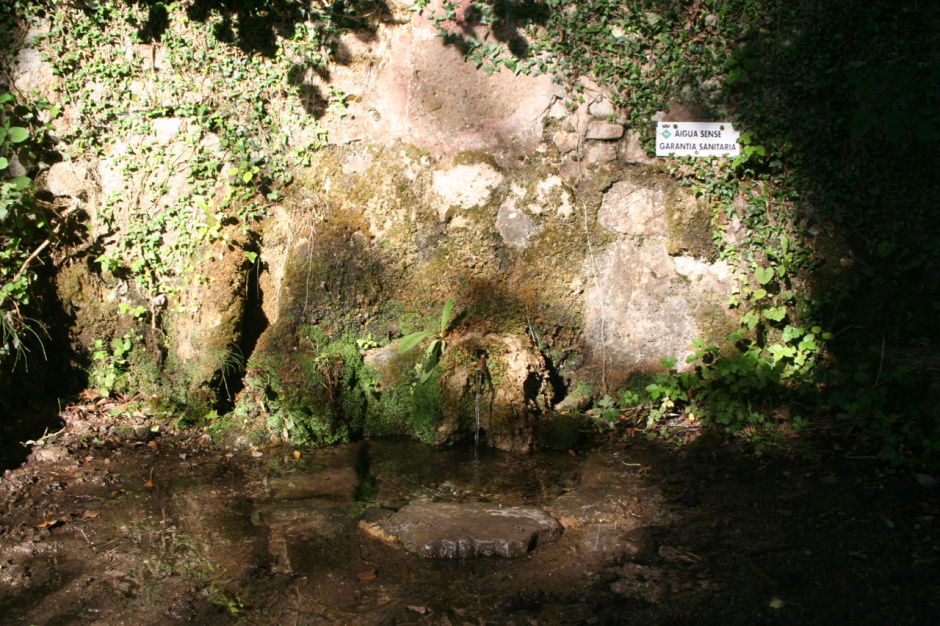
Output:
x=666 y=134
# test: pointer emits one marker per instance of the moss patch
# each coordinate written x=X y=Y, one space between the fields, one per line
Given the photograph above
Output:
x=688 y=225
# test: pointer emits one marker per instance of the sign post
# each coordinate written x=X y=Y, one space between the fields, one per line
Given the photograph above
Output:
x=697 y=139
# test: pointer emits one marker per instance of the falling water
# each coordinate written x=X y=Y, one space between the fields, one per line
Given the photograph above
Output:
x=479 y=388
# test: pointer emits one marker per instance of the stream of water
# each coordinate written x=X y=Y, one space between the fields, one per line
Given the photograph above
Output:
x=476 y=407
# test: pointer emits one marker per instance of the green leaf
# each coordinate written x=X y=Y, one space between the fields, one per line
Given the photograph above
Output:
x=430 y=364
x=432 y=348
x=4 y=163
x=775 y=313
x=410 y=341
x=18 y=134
x=764 y=275
x=750 y=319
x=780 y=351
x=445 y=314
x=737 y=75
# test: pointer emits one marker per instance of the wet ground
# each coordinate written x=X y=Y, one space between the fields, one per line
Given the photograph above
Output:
x=121 y=526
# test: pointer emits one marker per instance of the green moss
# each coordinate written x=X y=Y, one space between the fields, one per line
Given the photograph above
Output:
x=688 y=225
x=475 y=157
x=713 y=322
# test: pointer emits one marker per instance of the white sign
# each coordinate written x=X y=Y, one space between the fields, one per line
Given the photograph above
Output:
x=697 y=139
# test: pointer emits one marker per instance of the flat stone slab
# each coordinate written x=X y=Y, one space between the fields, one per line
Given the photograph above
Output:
x=447 y=531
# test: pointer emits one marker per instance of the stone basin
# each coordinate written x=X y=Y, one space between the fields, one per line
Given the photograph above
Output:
x=440 y=530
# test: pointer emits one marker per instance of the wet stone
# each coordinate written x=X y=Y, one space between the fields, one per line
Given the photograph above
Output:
x=49 y=454
x=448 y=531
x=330 y=477
x=337 y=484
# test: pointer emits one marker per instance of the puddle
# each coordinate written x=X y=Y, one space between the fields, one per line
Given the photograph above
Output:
x=126 y=532
x=403 y=472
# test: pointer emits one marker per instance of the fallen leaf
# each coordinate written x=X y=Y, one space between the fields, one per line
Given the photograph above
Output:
x=367 y=575
x=89 y=514
x=148 y=484
x=420 y=610
x=53 y=522
x=777 y=603
x=296 y=454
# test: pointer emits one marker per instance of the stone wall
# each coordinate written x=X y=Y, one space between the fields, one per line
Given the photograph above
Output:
x=572 y=259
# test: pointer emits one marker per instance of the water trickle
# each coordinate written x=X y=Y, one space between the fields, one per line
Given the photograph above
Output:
x=476 y=407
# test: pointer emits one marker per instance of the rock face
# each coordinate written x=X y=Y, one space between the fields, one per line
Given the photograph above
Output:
x=656 y=291
x=451 y=531
x=632 y=209
x=424 y=93
x=571 y=259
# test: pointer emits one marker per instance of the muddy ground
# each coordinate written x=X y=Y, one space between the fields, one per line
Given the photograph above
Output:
x=108 y=524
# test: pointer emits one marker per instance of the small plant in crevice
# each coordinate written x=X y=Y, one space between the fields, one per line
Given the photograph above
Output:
x=432 y=354
x=111 y=362
x=231 y=365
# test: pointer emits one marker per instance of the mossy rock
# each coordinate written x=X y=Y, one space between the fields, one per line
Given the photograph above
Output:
x=688 y=225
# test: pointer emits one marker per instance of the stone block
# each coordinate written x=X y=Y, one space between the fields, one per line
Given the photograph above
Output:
x=599 y=153
x=450 y=531
x=66 y=179
x=604 y=130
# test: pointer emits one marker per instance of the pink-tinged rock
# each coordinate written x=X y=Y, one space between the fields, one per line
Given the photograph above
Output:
x=604 y=130
x=631 y=209
x=425 y=94
x=634 y=152
x=565 y=142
